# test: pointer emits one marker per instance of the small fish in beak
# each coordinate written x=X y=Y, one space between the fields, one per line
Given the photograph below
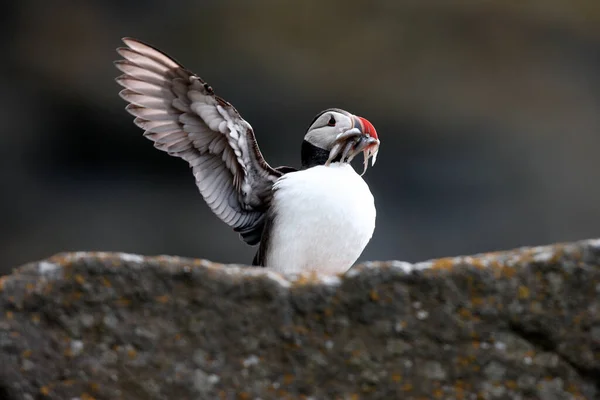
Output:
x=362 y=137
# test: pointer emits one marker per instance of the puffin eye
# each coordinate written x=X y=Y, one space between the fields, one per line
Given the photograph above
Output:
x=331 y=121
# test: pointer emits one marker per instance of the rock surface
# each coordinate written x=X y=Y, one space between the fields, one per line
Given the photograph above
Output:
x=522 y=324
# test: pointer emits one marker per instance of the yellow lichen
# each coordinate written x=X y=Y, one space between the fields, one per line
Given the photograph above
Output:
x=288 y=379
x=79 y=279
x=523 y=292
x=509 y=272
x=573 y=389
x=374 y=295
x=461 y=361
x=477 y=263
x=162 y=299
x=464 y=313
x=443 y=264
x=124 y=302
x=530 y=353
x=477 y=301
x=559 y=252
x=407 y=387
x=302 y=330
x=48 y=288
x=306 y=279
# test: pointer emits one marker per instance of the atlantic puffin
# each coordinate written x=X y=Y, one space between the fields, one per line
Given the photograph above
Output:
x=316 y=218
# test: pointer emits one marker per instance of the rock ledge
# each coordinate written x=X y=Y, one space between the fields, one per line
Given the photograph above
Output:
x=522 y=324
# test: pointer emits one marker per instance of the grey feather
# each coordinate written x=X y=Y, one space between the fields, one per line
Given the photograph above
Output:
x=182 y=115
x=149 y=114
x=133 y=70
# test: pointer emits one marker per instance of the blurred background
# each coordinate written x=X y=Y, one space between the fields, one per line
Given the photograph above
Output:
x=488 y=114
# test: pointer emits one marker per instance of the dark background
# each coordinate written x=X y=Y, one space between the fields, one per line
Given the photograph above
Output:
x=487 y=112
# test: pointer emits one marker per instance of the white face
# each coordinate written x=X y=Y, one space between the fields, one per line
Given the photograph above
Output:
x=324 y=131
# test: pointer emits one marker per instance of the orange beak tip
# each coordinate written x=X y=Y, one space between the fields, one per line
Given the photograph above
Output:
x=368 y=128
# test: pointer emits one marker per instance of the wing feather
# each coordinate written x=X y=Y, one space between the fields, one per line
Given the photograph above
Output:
x=150 y=114
x=131 y=69
x=215 y=185
x=181 y=114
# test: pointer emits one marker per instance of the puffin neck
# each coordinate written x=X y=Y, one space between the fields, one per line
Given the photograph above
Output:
x=312 y=155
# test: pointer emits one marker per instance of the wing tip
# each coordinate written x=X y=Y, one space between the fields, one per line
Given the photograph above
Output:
x=147 y=50
x=121 y=78
x=123 y=65
x=128 y=40
x=125 y=52
x=125 y=93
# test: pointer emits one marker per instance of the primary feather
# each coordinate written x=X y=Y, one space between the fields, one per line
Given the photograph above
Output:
x=182 y=115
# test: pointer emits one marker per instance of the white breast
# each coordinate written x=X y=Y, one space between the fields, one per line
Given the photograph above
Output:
x=324 y=218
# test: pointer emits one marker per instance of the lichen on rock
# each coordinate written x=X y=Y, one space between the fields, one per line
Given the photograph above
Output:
x=516 y=324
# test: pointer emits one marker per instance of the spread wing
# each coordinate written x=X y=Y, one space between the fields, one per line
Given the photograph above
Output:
x=182 y=115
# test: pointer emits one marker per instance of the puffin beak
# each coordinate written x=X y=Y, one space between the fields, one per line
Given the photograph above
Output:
x=362 y=137
x=371 y=140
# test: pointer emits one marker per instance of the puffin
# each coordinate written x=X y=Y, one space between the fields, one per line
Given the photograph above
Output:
x=316 y=218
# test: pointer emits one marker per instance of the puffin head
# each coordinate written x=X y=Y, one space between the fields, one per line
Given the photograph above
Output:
x=343 y=135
